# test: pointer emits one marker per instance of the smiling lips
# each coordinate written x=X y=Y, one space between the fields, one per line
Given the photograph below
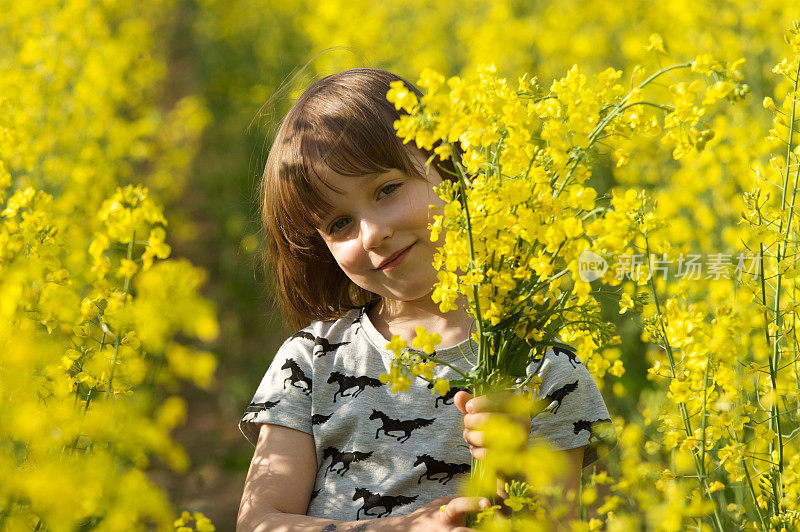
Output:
x=395 y=260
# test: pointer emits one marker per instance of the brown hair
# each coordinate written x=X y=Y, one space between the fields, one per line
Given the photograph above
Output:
x=344 y=123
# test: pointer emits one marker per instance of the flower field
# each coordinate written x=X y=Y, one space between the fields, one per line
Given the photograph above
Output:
x=655 y=152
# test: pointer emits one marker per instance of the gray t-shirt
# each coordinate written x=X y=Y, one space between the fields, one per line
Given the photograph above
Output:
x=380 y=453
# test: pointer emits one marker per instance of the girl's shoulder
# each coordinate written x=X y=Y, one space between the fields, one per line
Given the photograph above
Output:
x=330 y=328
x=326 y=335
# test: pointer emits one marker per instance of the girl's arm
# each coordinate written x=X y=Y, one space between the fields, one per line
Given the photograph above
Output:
x=281 y=478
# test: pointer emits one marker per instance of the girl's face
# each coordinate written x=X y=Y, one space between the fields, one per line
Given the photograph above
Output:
x=377 y=230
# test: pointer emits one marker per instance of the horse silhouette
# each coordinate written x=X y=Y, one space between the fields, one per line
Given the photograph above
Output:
x=585 y=424
x=436 y=467
x=559 y=394
x=376 y=500
x=319 y=341
x=346 y=459
x=346 y=382
x=571 y=356
x=447 y=398
x=258 y=407
x=396 y=425
x=357 y=321
x=297 y=376
x=319 y=419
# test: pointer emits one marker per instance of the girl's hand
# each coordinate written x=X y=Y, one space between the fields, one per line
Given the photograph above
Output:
x=478 y=411
x=445 y=514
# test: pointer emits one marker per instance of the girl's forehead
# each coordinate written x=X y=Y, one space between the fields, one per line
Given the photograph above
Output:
x=328 y=182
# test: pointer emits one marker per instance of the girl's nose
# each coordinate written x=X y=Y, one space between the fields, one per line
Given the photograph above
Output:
x=374 y=231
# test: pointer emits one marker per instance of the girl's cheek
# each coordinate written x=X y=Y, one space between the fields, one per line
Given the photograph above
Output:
x=353 y=256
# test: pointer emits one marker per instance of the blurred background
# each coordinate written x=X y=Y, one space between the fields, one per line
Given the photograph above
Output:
x=227 y=71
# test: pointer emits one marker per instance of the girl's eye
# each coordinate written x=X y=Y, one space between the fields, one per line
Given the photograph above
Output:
x=388 y=189
x=337 y=225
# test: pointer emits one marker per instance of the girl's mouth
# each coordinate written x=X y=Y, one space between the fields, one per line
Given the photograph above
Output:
x=397 y=260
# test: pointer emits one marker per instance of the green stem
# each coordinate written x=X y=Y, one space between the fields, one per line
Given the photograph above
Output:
x=118 y=339
x=775 y=422
x=611 y=114
x=439 y=361
x=753 y=494
x=478 y=320
x=703 y=416
x=763 y=291
x=682 y=405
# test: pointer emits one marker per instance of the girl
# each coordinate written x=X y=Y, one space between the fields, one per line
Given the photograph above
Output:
x=345 y=207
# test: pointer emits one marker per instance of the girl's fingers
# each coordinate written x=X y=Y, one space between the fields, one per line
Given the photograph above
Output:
x=482 y=403
x=455 y=512
x=474 y=421
x=460 y=399
x=474 y=438
x=478 y=453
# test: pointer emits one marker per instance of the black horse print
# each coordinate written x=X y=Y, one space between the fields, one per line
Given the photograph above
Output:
x=326 y=346
x=259 y=407
x=573 y=358
x=357 y=321
x=376 y=500
x=396 y=425
x=296 y=376
x=585 y=424
x=346 y=382
x=447 y=398
x=319 y=419
x=560 y=393
x=436 y=467
x=314 y=494
x=346 y=459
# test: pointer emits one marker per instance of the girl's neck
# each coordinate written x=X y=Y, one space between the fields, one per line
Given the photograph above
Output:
x=402 y=318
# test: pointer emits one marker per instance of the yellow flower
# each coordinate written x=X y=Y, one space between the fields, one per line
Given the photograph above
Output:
x=622 y=157
x=443 y=151
x=626 y=304
x=617 y=369
x=397 y=378
x=486 y=513
x=703 y=64
x=401 y=96
x=426 y=342
x=441 y=386
x=127 y=269
x=183 y=519
x=397 y=345
x=423 y=368
x=656 y=43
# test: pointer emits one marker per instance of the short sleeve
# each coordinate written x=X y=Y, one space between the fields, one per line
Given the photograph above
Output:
x=284 y=395
x=575 y=413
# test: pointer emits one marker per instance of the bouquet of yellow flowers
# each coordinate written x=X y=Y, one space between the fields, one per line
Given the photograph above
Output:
x=525 y=235
x=525 y=232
